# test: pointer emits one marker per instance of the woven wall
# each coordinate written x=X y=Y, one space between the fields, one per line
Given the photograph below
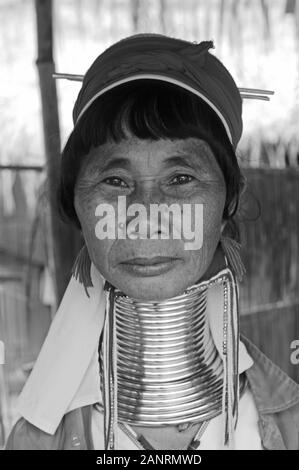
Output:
x=270 y=292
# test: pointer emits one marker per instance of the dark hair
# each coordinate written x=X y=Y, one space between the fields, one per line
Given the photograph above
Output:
x=149 y=109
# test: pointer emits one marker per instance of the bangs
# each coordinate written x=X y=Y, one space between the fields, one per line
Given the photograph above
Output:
x=148 y=109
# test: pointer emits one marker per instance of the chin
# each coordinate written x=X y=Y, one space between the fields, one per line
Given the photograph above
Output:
x=152 y=288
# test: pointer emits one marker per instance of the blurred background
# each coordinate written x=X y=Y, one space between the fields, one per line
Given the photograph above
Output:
x=258 y=41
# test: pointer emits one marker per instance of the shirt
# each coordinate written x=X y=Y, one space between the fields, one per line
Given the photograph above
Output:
x=276 y=397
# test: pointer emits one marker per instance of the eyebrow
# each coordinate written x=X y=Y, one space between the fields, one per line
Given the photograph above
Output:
x=120 y=162
x=188 y=160
x=179 y=161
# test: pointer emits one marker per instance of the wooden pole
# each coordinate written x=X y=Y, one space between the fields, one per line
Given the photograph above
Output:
x=65 y=240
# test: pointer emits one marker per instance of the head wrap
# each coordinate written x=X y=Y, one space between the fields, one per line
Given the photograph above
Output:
x=155 y=56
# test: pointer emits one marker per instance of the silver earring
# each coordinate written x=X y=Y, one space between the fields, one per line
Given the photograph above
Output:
x=81 y=269
x=231 y=249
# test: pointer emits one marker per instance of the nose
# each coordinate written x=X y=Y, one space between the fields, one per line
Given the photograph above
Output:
x=140 y=205
x=149 y=192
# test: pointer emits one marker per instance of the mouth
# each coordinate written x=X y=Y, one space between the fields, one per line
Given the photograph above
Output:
x=149 y=266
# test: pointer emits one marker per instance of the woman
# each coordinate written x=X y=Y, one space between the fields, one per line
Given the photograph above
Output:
x=145 y=352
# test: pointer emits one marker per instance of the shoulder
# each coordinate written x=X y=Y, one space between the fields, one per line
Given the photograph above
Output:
x=273 y=389
x=276 y=395
x=70 y=434
x=26 y=436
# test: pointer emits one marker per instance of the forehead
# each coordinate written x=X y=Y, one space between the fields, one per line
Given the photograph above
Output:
x=134 y=152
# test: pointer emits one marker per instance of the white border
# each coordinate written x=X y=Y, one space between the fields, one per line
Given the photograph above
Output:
x=165 y=79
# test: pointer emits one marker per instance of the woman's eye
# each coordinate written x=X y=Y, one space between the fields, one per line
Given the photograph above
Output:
x=114 y=181
x=182 y=179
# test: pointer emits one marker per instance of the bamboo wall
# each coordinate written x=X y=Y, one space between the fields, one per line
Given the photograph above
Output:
x=270 y=292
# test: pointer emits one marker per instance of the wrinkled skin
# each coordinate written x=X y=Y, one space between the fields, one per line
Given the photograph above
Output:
x=145 y=172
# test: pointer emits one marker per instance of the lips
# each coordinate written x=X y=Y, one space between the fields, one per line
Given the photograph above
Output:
x=149 y=261
x=147 y=267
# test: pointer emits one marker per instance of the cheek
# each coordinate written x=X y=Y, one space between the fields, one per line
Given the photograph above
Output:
x=212 y=199
x=85 y=210
x=212 y=220
x=98 y=249
x=213 y=206
x=213 y=215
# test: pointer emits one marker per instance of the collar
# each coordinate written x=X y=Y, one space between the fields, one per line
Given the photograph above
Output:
x=65 y=375
x=273 y=390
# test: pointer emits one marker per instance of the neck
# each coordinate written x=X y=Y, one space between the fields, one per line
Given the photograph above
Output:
x=168 y=368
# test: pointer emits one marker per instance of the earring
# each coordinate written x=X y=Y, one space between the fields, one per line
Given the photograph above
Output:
x=110 y=385
x=81 y=269
x=231 y=336
x=231 y=249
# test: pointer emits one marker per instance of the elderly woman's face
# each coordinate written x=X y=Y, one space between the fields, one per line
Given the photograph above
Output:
x=151 y=172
